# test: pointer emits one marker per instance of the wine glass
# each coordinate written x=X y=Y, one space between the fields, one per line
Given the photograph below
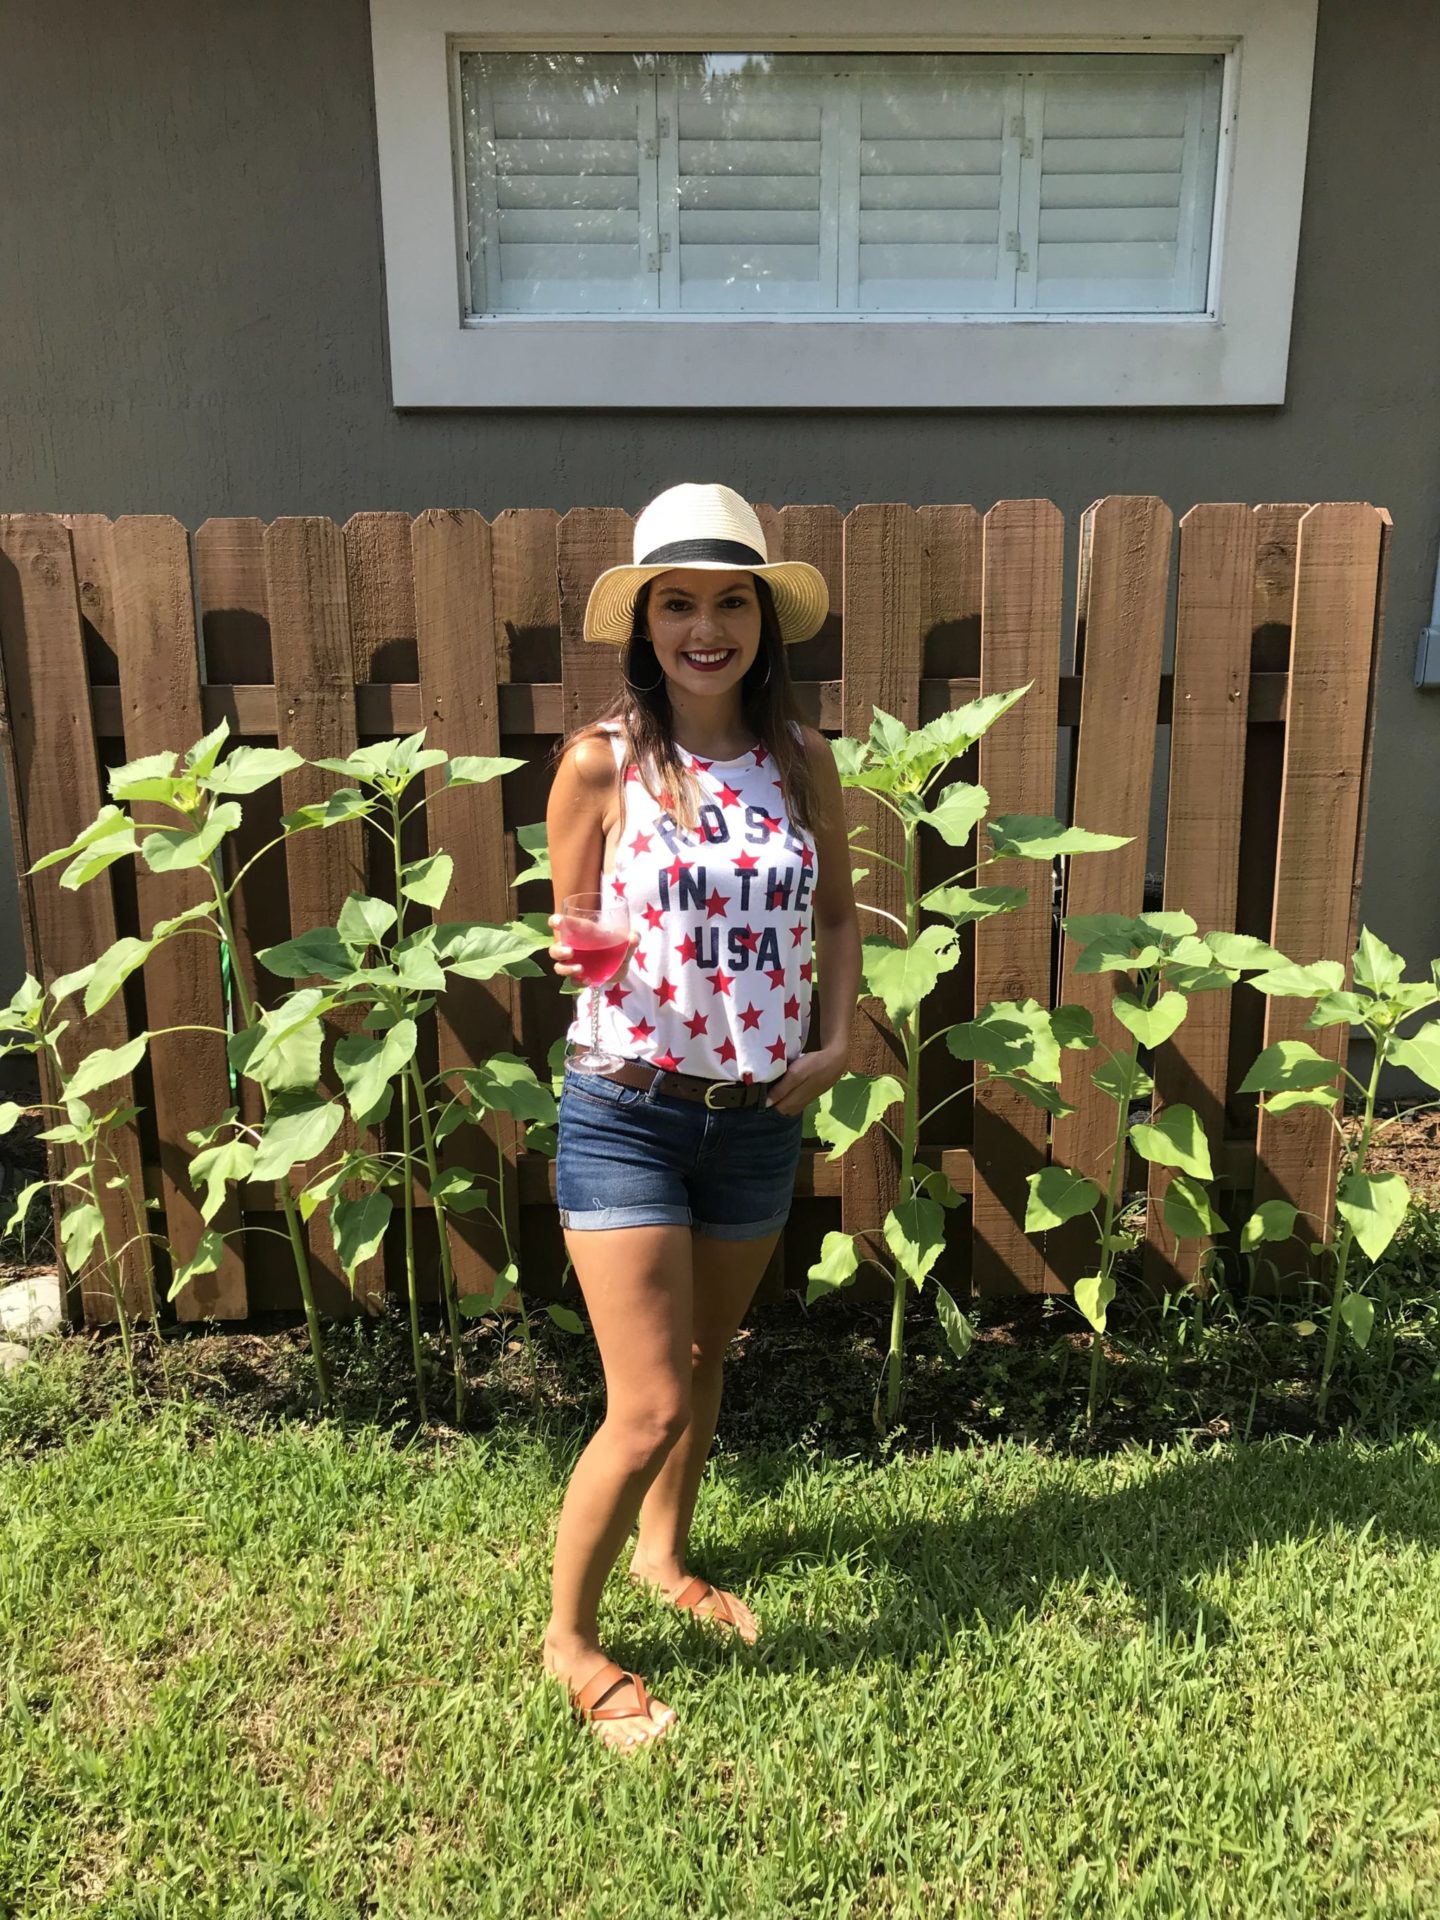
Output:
x=597 y=930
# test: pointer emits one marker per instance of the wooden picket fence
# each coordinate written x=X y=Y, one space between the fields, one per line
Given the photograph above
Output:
x=119 y=639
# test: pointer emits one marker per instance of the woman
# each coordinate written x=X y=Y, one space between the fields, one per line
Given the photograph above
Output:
x=701 y=798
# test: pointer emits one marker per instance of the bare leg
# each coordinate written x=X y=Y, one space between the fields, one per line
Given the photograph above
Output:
x=637 y=1287
x=727 y=1272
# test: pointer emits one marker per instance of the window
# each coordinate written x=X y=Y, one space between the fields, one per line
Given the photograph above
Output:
x=756 y=183
x=1078 y=203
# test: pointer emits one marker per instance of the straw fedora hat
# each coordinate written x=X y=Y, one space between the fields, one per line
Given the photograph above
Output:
x=709 y=527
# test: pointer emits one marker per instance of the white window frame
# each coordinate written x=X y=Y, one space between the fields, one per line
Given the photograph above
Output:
x=1234 y=354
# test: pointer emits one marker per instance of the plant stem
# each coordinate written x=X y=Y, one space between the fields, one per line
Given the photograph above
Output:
x=510 y=1261
x=447 y=1270
x=1112 y=1202
x=287 y=1196
x=1347 y=1235
x=909 y=1126
x=415 y=1348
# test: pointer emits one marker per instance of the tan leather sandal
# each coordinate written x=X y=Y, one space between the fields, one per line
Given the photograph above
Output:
x=589 y=1702
x=695 y=1592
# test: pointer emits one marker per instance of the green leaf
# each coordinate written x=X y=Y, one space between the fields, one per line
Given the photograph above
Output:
x=836 y=1267
x=365 y=1065
x=478 y=952
x=1358 y=1313
x=1301 y=1097
x=22 y=1207
x=962 y=906
x=532 y=840
x=415 y=963
x=474 y=769
x=216 y=1167
x=1286 y=1065
x=1010 y=1036
x=68 y=983
x=150 y=778
x=565 y=1318
x=1093 y=1295
x=936 y=1183
x=346 y=803
x=950 y=734
x=177 y=849
x=1151 y=1026
x=1272 y=1220
x=1048 y=1098
x=248 y=769
x=959 y=1334
x=915 y=1232
x=10 y=1112
x=1028 y=836
x=1377 y=967
x=364 y=922
x=359 y=1227
x=320 y=952
x=283 y=1048
x=1176 y=1139
x=300 y=1124
x=1056 y=1195
x=209 y=1252
x=79 y=1230
x=1337 y=1009
x=850 y=759
x=957 y=812
x=95 y=858
x=902 y=976
x=98 y=1069
x=888 y=735
x=1301 y=983
x=428 y=880
x=1121 y=1079
x=507 y=1084
x=1188 y=1212
x=1420 y=1054
x=852 y=1106
x=1242 y=952
x=114 y=967
x=1074 y=1028
x=201 y=758
x=1374 y=1205
x=457 y=1192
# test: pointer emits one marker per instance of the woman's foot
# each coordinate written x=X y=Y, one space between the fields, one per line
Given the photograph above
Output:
x=616 y=1704
x=693 y=1594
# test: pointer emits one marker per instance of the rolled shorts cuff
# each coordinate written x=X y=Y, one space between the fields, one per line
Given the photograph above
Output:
x=743 y=1230
x=656 y=1214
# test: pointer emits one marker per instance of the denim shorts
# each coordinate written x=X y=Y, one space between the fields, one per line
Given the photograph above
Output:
x=628 y=1157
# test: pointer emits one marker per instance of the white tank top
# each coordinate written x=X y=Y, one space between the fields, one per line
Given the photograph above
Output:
x=720 y=984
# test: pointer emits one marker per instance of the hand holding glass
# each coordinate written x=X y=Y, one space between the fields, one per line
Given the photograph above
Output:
x=597 y=931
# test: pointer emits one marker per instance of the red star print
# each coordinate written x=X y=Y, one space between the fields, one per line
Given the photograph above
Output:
x=642 y=1031
x=807 y=858
x=641 y=843
x=792 y=1007
x=776 y=897
x=759 y=753
x=750 y=1018
x=701 y=766
x=727 y=795
x=797 y=933
x=749 y=939
x=777 y=1049
x=667 y=799
x=716 y=905
x=777 y=976
x=632 y=772
x=747 y=1078
x=727 y=1050
x=696 y=1025
x=670 y=1061
x=747 y=862
x=807 y=969
x=686 y=949
x=653 y=916
x=619 y=887
x=665 y=992
x=614 y=995
x=637 y=959
x=676 y=867
x=723 y=981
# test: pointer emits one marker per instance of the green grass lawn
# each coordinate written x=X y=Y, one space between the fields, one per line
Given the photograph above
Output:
x=292 y=1671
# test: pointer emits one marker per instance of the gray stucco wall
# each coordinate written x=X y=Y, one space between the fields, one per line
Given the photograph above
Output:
x=194 y=324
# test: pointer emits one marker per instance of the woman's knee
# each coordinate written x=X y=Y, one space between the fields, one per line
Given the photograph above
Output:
x=648 y=1429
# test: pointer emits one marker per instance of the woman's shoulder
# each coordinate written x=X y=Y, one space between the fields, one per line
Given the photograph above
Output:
x=594 y=754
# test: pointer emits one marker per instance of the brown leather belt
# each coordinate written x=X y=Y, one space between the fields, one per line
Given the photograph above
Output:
x=689 y=1086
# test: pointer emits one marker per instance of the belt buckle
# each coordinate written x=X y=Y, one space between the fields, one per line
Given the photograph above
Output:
x=714 y=1087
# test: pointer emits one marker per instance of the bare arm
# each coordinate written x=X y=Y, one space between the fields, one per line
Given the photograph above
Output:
x=580 y=795
x=837 y=937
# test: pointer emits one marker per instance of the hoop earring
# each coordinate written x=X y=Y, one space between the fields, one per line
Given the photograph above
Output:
x=653 y=687
x=766 y=681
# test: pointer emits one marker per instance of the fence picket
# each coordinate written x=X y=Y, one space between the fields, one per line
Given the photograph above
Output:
x=456 y=633
x=1336 y=585
x=1202 y=840
x=884 y=627
x=1126 y=578
x=55 y=791
x=1024 y=557
x=160 y=694
x=305 y=579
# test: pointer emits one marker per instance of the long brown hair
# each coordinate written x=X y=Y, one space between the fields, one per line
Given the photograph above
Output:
x=767 y=701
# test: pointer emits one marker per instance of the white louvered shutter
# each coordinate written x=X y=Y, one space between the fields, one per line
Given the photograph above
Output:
x=1125 y=154
x=745 y=203
x=565 y=146
x=937 y=187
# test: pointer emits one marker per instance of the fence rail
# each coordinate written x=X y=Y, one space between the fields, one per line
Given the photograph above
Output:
x=1247 y=682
